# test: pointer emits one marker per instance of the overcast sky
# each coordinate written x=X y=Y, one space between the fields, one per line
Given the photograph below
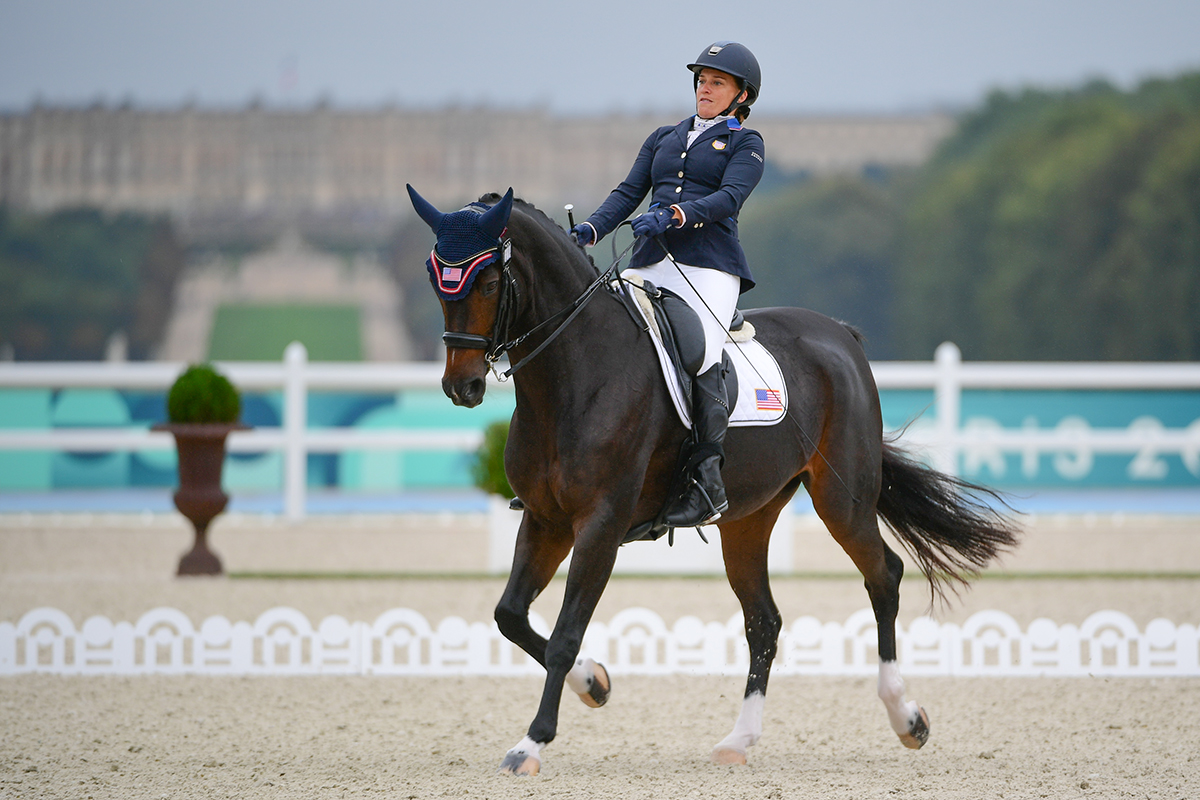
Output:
x=572 y=57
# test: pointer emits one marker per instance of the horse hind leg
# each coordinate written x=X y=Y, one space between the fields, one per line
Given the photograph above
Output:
x=744 y=547
x=856 y=528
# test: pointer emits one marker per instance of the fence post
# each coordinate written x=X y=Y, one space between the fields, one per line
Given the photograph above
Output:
x=295 y=421
x=947 y=395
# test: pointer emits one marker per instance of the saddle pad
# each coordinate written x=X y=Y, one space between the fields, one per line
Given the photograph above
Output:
x=762 y=392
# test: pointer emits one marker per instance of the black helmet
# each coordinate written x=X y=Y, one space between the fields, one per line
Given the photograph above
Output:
x=736 y=60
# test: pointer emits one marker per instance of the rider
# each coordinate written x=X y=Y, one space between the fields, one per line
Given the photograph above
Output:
x=698 y=174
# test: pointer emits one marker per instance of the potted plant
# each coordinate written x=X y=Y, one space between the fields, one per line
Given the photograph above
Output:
x=202 y=409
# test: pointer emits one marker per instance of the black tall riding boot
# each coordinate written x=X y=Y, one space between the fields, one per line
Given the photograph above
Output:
x=704 y=499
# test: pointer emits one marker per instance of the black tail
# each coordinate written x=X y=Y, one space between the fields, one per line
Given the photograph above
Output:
x=943 y=522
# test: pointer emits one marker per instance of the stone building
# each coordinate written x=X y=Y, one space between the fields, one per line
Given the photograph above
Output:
x=350 y=166
x=264 y=175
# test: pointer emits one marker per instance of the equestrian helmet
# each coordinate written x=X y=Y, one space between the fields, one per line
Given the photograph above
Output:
x=734 y=59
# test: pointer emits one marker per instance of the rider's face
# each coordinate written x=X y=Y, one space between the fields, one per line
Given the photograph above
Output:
x=715 y=90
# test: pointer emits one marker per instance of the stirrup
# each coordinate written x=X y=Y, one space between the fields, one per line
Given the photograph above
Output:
x=716 y=512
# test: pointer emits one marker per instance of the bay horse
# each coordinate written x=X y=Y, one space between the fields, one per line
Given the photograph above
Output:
x=594 y=441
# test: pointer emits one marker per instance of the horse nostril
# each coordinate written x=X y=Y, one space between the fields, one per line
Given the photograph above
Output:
x=473 y=391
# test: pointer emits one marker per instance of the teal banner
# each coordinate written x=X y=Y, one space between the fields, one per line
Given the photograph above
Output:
x=1167 y=417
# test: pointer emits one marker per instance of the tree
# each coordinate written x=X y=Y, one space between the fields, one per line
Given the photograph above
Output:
x=829 y=245
x=70 y=280
x=1060 y=227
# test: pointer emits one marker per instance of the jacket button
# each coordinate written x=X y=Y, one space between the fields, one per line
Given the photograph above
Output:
x=678 y=189
x=681 y=173
x=683 y=154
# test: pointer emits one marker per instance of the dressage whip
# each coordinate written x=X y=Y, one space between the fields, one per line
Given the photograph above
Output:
x=816 y=448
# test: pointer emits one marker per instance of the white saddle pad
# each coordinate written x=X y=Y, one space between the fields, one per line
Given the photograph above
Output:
x=762 y=392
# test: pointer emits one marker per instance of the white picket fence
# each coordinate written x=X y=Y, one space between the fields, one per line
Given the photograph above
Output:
x=282 y=641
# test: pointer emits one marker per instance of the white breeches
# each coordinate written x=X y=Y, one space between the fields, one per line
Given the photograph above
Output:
x=711 y=293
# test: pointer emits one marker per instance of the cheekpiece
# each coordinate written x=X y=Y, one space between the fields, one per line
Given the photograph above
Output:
x=462 y=251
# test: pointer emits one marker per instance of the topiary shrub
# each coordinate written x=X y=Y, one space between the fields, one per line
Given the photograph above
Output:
x=203 y=395
x=488 y=469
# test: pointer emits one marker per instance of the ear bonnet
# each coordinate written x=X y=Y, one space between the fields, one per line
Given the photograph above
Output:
x=468 y=240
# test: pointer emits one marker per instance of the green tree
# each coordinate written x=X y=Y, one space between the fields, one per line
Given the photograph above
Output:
x=829 y=245
x=1059 y=226
x=70 y=280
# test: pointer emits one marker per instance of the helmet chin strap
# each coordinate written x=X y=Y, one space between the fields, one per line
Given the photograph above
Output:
x=737 y=99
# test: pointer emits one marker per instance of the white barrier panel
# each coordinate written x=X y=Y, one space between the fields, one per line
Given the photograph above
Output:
x=945 y=438
x=636 y=641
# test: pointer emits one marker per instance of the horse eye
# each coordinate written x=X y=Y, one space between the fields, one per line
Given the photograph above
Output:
x=489 y=288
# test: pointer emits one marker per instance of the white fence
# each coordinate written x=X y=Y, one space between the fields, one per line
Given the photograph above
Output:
x=282 y=641
x=945 y=440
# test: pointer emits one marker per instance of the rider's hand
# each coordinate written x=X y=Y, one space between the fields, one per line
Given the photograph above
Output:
x=583 y=234
x=653 y=223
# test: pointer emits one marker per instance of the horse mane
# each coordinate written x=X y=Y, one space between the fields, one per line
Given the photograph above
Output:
x=858 y=335
x=540 y=217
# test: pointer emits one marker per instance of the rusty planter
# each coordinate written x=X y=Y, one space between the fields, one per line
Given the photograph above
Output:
x=201 y=449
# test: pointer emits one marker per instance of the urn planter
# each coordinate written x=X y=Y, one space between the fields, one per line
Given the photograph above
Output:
x=201 y=449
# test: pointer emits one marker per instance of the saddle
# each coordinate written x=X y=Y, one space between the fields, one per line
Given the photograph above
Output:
x=677 y=326
x=682 y=336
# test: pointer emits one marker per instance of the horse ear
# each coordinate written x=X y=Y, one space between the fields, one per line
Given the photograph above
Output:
x=425 y=209
x=495 y=219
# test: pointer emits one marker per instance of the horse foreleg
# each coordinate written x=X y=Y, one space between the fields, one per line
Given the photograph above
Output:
x=539 y=550
x=595 y=554
x=744 y=546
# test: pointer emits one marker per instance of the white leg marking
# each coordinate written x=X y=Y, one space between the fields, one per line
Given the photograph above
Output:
x=580 y=676
x=525 y=748
x=748 y=728
x=891 y=692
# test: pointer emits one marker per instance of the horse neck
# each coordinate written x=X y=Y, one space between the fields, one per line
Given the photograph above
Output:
x=552 y=279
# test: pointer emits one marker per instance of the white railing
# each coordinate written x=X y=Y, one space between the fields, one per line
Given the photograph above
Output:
x=946 y=439
x=295 y=376
x=282 y=641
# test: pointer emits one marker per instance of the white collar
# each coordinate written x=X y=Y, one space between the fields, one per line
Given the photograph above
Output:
x=699 y=124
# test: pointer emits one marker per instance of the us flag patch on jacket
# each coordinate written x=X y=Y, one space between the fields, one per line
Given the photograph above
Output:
x=767 y=400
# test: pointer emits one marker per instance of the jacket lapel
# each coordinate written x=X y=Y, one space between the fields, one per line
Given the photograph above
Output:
x=681 y=130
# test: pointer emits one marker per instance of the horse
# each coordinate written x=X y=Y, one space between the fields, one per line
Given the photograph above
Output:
x=594 y=443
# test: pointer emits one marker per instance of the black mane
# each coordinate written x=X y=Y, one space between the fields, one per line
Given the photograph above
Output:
x=540 y=217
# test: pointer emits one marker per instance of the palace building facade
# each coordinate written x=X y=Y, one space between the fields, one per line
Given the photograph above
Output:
x=206 y=165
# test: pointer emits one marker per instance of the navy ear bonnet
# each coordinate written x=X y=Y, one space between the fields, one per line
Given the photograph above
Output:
x=468 y=240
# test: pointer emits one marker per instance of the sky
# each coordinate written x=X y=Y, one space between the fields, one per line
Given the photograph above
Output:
x=567 y=57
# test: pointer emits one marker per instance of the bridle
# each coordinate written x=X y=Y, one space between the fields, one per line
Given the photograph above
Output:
x=498 y=344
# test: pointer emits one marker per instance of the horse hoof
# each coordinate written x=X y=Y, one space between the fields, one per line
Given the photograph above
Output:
x=598 y=688
x=918 y=731
x=727 y=755
x=521 y=764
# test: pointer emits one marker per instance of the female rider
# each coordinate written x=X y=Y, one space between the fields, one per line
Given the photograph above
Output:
x=698 y=174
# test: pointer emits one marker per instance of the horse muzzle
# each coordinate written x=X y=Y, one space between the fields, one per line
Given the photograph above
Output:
x=465 y=378
x=468 y=393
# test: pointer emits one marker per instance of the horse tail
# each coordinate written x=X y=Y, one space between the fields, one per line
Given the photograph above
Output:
x=945 y=523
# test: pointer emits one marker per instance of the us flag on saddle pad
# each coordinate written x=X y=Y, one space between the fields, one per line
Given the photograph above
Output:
x=767 y=400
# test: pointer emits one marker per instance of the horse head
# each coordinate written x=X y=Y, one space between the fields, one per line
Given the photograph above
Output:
x=466 y=268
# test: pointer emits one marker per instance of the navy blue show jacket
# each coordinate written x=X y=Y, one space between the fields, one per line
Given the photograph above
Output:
x=708 y=181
